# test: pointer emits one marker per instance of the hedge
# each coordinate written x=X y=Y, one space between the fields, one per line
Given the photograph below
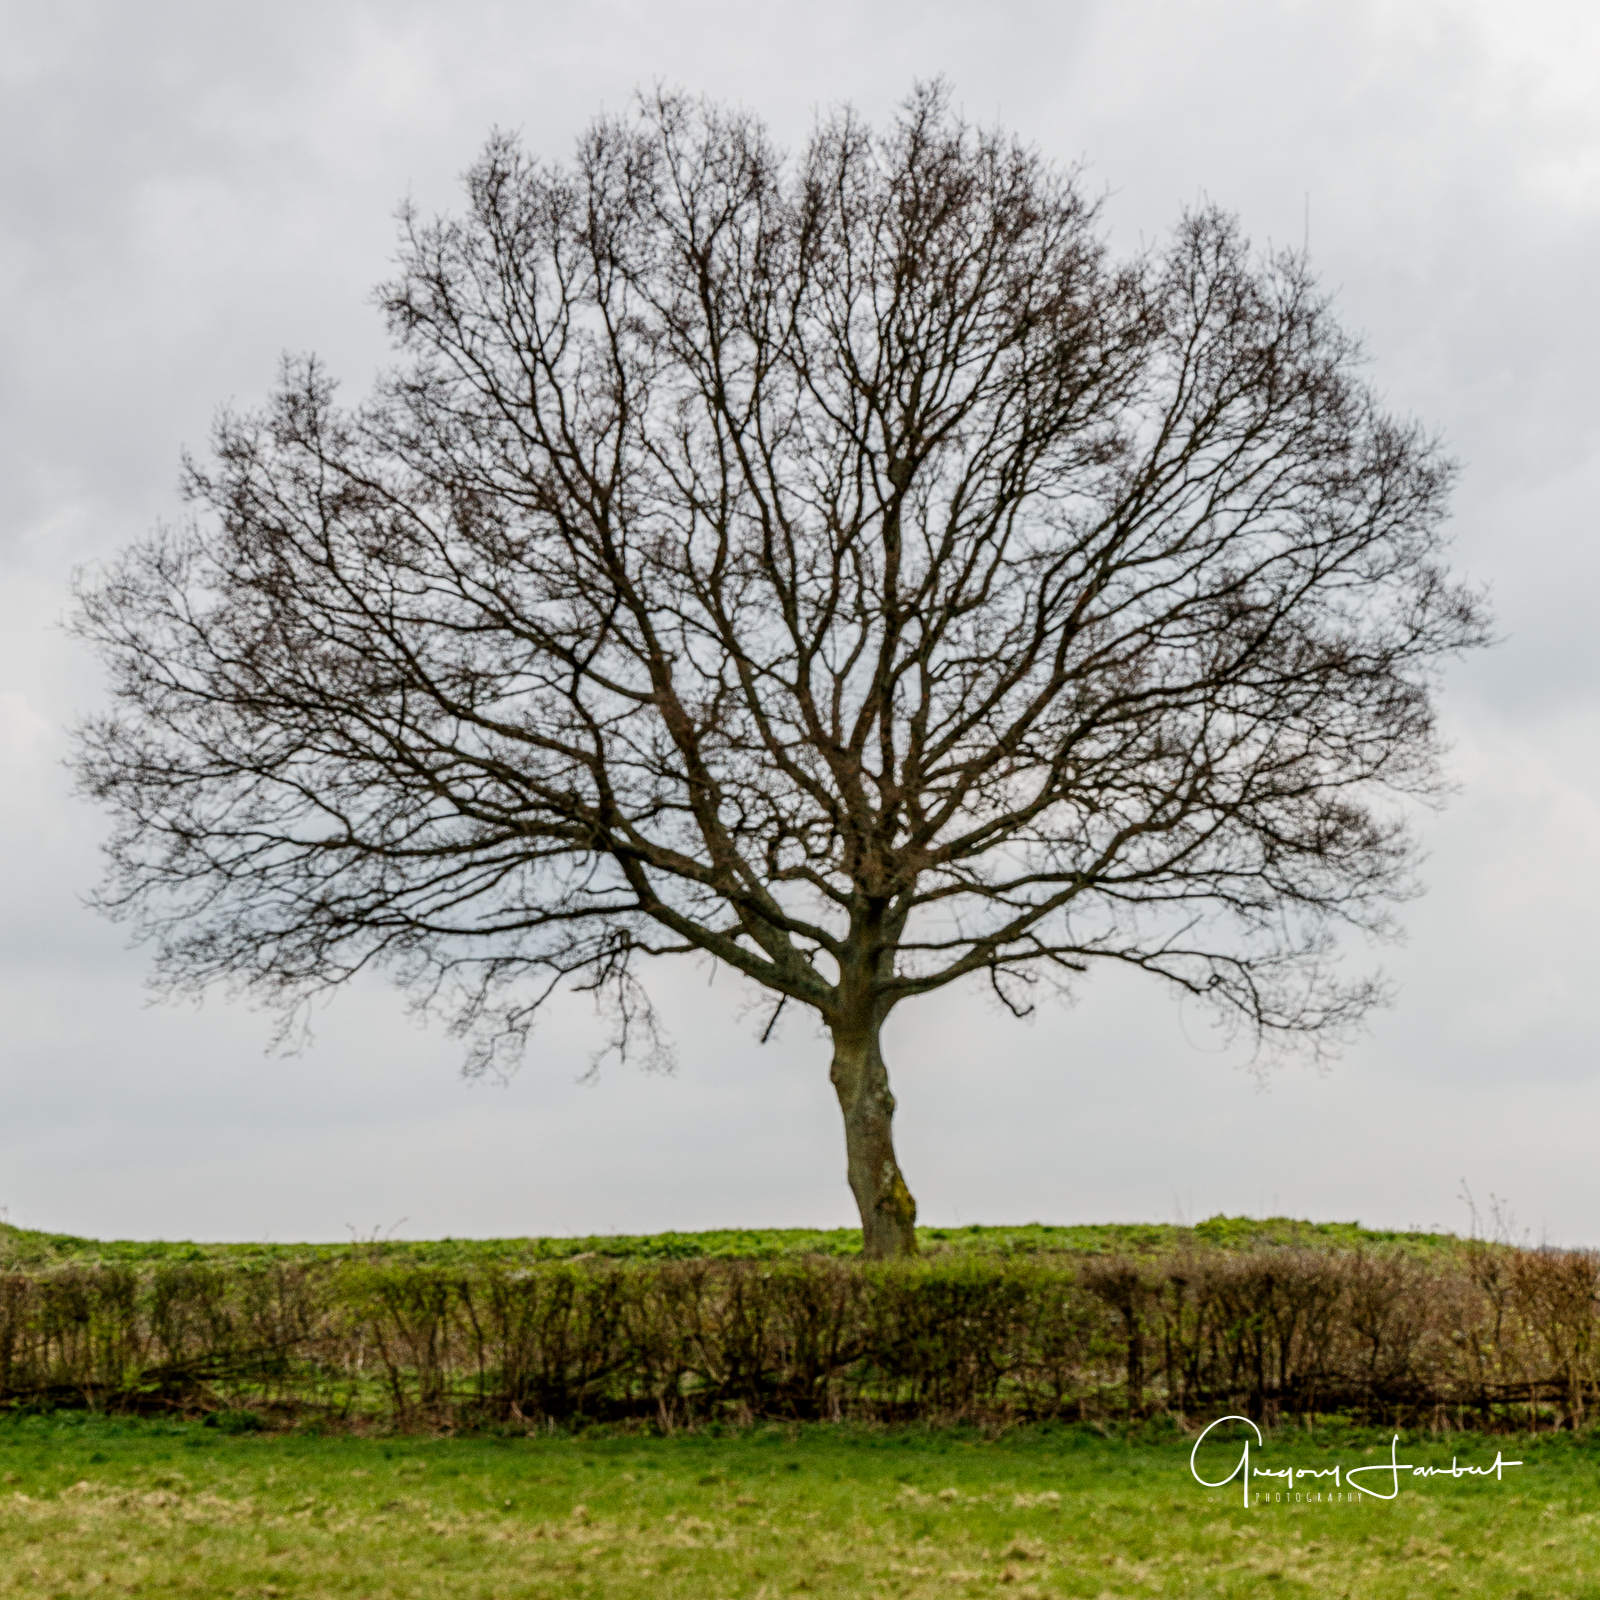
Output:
x=1491 y=1337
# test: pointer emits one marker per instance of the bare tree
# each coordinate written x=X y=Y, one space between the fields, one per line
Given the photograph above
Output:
x=838 y=568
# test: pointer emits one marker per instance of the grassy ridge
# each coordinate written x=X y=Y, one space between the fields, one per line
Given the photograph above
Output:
x=28 y=1248
x=91 y=1505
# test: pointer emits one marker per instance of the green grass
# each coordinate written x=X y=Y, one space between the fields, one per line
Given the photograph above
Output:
x=29 y=1248
x=90 y=1505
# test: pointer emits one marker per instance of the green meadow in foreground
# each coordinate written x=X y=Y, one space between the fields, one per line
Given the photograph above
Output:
x=96 y=1505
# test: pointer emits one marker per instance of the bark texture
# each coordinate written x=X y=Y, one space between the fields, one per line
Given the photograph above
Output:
x=888 y=1212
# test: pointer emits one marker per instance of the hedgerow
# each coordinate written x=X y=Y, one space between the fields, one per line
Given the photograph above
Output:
x=1485 y=1336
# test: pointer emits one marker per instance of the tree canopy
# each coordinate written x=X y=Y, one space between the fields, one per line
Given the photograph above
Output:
x=839 y=567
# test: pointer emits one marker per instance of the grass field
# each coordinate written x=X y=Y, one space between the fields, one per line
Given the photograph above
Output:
x=30 y=1248
x=98 y=1506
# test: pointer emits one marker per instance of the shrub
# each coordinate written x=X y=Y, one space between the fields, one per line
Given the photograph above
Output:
x=1507 y=1335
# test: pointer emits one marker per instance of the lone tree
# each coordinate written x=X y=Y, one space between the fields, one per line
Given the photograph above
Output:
x=839 y=568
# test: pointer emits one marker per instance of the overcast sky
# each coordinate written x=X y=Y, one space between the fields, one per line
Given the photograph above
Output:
x=189 y=190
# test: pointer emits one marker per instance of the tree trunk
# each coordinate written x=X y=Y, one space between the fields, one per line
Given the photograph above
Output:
x=888 y=1213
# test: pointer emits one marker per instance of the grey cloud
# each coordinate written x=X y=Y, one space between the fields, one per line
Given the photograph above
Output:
x=191 y=190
